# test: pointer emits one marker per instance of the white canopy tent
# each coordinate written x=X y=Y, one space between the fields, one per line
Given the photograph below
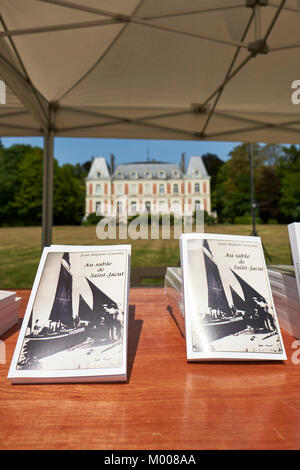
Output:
x=196 y=70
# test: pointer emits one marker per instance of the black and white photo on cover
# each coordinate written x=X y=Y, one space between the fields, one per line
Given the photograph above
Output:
x=77 y=318
x=229 y=307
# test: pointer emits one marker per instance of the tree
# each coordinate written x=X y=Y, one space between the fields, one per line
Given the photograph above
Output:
x=28 y=196
x=10 y=181
x=289 y=174
x=69 y=195
x=21 y=182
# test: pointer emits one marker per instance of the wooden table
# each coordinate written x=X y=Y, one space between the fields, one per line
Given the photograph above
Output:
x=167 y=402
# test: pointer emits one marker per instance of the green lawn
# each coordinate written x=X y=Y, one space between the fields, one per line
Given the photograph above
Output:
x=20 y=248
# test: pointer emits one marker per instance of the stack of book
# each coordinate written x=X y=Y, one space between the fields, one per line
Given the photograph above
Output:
x=286 y=298
x=174 y=291
x=9 y=310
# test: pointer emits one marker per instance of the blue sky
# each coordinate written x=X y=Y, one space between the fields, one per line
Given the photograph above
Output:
x=79 y=150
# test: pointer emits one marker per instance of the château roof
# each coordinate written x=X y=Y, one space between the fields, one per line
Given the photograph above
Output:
x=147 y=170
x=160 y=170
x=99 y=169
x=196 y=168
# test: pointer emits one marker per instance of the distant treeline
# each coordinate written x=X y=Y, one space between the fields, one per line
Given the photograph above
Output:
x=21 y=188
x=276 y=183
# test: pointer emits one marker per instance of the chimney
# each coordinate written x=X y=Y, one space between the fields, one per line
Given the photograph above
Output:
x=112 y=164
x=182 y=163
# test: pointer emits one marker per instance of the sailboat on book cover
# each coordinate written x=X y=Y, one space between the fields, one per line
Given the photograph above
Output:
x=65 y=328
x=225 y=316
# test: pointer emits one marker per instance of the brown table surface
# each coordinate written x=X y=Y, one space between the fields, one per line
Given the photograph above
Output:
x=167 y=402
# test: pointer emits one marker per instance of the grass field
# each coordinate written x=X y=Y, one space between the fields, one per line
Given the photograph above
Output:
x=20 y=248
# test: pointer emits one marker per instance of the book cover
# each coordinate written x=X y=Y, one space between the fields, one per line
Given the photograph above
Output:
x=76 y=321
x=229 y=309
x=294 y=235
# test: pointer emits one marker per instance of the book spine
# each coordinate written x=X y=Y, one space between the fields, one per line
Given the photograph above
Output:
x=286 y=303
x=294 y=234
x=282 y=278
x=283 y=289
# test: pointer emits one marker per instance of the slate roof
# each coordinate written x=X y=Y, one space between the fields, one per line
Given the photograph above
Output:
x=99 y=165
x=196 y=163
x=142 y=167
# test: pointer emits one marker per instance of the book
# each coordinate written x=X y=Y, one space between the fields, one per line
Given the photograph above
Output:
x=6 y=298
x=75 y=327
x=288 y=279
x=288 y=321
x=9 y=310
x=294 y=235
x=228 y=304
x=174 y=293
x=285 y=290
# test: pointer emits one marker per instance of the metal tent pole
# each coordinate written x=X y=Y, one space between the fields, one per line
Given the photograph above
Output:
x=48 y=175
x=253 y=203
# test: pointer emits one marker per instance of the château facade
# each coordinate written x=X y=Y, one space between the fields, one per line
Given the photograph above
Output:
x=147 y=186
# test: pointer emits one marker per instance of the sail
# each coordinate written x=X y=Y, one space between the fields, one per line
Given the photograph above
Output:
x=238 y=302
x=216 y=295
x=100 y=299
x=85 y=312
x=206 y=246
x=249 y=292
x=62 y=309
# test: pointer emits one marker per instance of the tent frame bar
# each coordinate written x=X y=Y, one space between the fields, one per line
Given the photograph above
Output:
x=48 y=177
x=132 y=19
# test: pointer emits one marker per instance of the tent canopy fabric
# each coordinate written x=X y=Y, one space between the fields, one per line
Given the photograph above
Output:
x=219 y=70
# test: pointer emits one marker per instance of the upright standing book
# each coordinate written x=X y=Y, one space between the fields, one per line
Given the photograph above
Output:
x=294 y=234
x=229 y=310
x=76 y=321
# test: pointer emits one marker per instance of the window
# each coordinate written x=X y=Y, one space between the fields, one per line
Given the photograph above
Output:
x=147 y=188
x=196 y=172
x=175 y=189
x=133 y=189
x=161 y=174
x=133 y=208
x=119 y=189
x=197 y=188
x=120 y=175
x=98 y=208
x=197 y=205
x=175 y=174
x=119 y=207
x=176 y=207
x=98 y=189
x=133 y=174
x=162 y=206
x=147 y=175
x=148 y=206
x=98 y=174
x=161 y=189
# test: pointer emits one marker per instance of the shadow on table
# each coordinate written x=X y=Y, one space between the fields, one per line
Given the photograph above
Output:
x=134 y=333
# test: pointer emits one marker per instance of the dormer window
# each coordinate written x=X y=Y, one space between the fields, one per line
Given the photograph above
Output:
x=133 y=174
x=99 y=174
x=120 y=175
x=175 y=174
x=196 y=173
x=161 y=174
x=148 y=175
